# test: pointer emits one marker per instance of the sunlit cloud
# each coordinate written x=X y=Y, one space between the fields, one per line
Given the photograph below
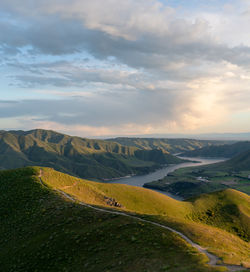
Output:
x=126 y=67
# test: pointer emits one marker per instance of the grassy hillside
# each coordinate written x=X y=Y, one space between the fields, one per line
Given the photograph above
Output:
x=224 y=215
x=240 y=162
x=41 y=231
x=77 y=156
x=224 y=151
x=166 y=145
x=187 y=182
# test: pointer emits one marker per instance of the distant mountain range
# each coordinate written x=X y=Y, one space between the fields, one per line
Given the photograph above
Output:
x=77 y=156
x=225 y=151
x=244 y=136
x=89 y=158
x=172 y=146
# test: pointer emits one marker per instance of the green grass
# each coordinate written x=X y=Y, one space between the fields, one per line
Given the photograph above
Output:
x=244 y=189
x=41 y=231
x=224 y=215
x=187 y=188
x=229 y=174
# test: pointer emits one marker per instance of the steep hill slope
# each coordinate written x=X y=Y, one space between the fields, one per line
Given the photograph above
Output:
x=240 y=162
x=197 y=220
x=225 y=151
x=41 y=231
x=172 y=146
x=77 y=156
x=237 y=164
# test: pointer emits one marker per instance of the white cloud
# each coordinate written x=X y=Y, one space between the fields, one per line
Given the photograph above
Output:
x=152 y=69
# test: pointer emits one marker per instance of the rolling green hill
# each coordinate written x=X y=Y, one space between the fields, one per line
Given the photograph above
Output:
x=240 y=162
x=42 y=231
x=187 y=182
x=224 y=151
x=224 y=215
x=94 y=159
x=172 y=146
x=238 y=166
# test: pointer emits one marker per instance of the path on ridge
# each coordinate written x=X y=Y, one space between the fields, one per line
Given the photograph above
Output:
x=212 y=258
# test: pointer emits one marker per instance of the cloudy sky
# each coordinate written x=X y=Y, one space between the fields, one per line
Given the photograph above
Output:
x=114 y=67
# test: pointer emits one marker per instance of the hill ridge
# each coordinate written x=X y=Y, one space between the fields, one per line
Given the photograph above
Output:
x=225 y=151
x=169 y=145
x=213 y=260
x=43 y=231
x=77 y=156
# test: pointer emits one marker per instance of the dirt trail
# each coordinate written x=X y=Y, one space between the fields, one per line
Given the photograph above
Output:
x=212 y=258
x=69 y=186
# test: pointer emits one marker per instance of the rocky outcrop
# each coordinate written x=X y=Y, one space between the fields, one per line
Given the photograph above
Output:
x=112 y=202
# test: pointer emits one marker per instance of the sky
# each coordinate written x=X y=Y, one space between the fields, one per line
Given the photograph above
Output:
x=116 y=67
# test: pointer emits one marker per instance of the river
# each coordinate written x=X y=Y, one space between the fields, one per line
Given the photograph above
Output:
x=160 y=173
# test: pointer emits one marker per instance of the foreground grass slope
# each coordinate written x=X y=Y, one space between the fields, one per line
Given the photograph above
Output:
x=41 y=231
x=224 y=215
x=87 y=158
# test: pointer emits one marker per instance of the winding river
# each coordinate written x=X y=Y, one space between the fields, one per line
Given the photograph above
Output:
x=160 y=173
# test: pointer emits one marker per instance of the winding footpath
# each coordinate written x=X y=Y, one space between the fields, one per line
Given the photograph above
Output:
x=212 y=258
